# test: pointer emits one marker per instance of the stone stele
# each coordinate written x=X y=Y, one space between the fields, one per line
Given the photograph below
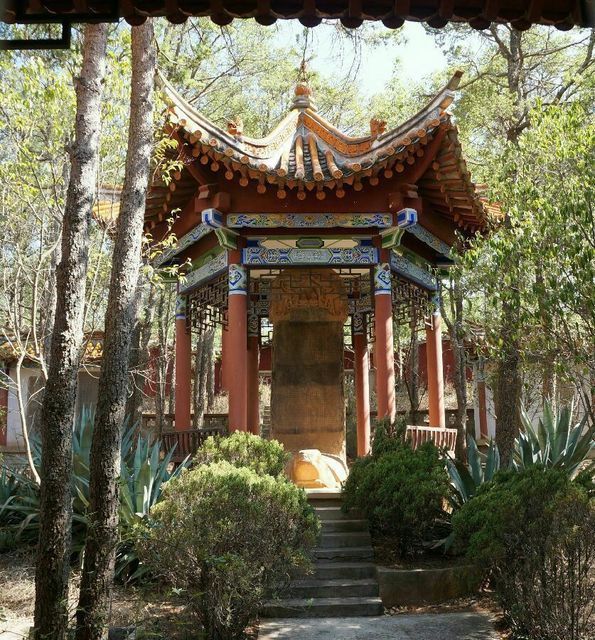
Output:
x=308 y=309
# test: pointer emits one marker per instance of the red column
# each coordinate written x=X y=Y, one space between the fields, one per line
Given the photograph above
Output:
x=361 y=365
x=183 y=368
x=384 y=357
x=237 y=344
x=253 y=385
x=435 y=372
x=482 y=401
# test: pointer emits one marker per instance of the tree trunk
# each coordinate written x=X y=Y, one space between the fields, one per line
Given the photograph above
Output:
x=507 y=394
x=139 y=357
x=98 y=569
x=211 y=373
x=52 y=568
x=203 y=363
x=456 y=334
x=413 y=377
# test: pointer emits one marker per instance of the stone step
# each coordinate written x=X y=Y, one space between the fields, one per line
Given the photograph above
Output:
x=323 y=607
x=344 y=539
x=337 y=526
x=338 y=588
x=345 y=570
x=332 y=513
x=344 y=553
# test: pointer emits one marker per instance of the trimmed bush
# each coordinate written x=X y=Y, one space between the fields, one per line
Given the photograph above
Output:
x=534 y=533
x=226 y=537
x=401 y=491
x=243 y=449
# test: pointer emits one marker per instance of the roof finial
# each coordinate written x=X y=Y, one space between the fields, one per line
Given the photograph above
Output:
x=303 y=92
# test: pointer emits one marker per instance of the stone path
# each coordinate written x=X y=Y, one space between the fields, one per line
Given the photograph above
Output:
x=427 y=626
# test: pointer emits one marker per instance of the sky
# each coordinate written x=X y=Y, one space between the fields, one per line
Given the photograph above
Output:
x=414 y=50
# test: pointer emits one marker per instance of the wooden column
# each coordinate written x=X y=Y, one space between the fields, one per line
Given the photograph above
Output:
x=253 y=375
x=361 y=366
x=183 y=368
x=237 y=344
x=435 y=371
x=482 y=400
x=384 y=347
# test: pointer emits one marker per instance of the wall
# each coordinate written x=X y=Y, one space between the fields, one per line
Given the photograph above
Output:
x=30 y=377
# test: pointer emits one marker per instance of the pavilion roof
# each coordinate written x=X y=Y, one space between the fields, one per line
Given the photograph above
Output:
x=521 y=14
x=306 y=153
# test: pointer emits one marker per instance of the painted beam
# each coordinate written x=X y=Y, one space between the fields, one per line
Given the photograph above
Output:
x=357 y=256
x=406 y=269
x=425 y=236
x=204 y=273
x=309 y=221
x=183 y=243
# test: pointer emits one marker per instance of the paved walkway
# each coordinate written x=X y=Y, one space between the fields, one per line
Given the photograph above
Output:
x=426 y=626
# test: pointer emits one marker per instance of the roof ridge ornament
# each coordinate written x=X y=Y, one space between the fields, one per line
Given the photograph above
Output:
x=303 y=97
x=303 y=92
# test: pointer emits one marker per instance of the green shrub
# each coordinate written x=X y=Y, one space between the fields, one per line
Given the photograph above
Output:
x=534 y=533
x=225 y=537
x=388 y=437
x=401 y=491
x=243 y=449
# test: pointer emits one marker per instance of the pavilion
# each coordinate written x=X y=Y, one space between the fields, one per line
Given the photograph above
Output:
x=295 y=237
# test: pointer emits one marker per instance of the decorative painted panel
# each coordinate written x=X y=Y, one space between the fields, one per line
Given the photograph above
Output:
x=356 y=256
x=205 y=273
x=213 y=218
x=306 y=220
x=382 y=279
x=412 y=272
x=422 y=234
x=183 y=243
x=238 y=280
x=406 y=218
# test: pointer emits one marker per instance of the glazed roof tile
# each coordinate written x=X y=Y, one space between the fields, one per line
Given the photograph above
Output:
x=306 y=153
x=521 y=14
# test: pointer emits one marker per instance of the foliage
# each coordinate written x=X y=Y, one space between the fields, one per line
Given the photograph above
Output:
x=555 y=442
x=534 y=532
x=225 y=536
x=243 y=449
x=388 y=437
x=142 y=477
x=466 y=479
x=401 y=491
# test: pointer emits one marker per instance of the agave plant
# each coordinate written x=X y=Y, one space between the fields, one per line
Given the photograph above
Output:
x=143 y=473
x=467 y=478
x=555 y=442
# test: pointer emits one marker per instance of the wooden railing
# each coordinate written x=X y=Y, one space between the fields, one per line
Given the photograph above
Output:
x=442 y=438
x=187 y=442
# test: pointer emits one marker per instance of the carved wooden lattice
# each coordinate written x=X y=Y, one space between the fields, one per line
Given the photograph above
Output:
x=411 y=304
x=208 y=305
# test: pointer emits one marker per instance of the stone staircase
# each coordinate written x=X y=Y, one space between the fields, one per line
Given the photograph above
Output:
x=344 y=582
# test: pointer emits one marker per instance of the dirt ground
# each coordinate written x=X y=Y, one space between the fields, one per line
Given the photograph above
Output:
x=155 y=613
